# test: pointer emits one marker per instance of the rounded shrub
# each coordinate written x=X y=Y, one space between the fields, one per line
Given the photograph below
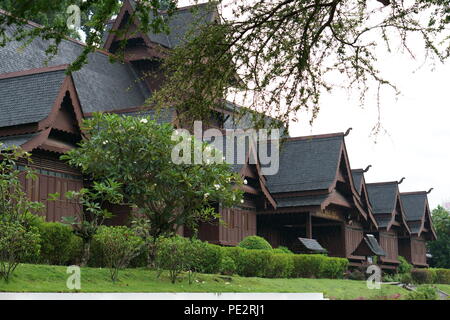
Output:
x=59 y=245
x=255 y=242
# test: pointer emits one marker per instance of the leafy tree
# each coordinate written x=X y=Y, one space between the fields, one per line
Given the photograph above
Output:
x=19 y=239
x=94 y=15
x=93 y=213
x=137 y=153
x=440 y=248
x=284 y=52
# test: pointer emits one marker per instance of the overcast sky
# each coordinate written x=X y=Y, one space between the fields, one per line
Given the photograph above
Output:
x=416 y=143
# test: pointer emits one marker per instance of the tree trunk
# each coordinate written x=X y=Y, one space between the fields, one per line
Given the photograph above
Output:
x=86 y=253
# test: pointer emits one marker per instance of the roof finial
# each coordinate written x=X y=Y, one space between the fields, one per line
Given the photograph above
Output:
x=348 y=131
x=367 y=168
x=401 y=180
x=431 y=189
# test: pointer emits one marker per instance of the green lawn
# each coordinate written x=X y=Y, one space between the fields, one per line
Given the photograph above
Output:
x=44 y=278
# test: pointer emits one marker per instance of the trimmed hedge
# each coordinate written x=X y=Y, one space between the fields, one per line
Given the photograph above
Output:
x=441 y=275
x=319 y=266
x=266 y=264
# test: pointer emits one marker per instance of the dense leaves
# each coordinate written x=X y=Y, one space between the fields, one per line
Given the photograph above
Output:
x=440 y=248
x=19 y=238
x=137 y=153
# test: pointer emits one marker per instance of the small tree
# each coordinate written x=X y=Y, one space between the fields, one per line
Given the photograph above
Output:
x=137 y=152
x=19 y=240
x=119 y=245
x=93 y=213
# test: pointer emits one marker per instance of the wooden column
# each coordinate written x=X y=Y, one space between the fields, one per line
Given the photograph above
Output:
x=308 y=226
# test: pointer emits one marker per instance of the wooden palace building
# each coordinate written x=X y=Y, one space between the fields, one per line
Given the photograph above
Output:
x=315 y=203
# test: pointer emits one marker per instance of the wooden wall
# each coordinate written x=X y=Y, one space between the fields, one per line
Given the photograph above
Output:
x=354 y=234
x=389 y=242
x=53 y=176
x=239 y=223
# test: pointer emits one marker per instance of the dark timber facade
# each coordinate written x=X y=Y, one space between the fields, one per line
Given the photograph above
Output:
x=315 y=202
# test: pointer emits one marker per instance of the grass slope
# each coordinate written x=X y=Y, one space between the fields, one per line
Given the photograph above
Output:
x=44 y=278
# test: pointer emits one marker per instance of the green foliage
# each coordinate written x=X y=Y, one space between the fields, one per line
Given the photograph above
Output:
x=319 y=266
x=175 y=255
x=206 y=258
x=59 y=245
x=137 y=153
x=440 y=248
x=356 y=275
x=119 y=245
x=255 y=242
x=19 y=239
x=53 y=17
x=404 y=266
x=441 y=275
x=308 y=265
x=281 y=265
x=422 y=276
x=282 y=249
x=423 y=293
x=228 y=267
x=88 y=220
x=17 y=244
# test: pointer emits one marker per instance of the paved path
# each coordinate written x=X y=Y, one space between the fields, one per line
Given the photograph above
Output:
x=160 y=296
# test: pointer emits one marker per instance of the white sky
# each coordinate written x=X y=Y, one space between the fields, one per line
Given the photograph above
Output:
x=416 y=144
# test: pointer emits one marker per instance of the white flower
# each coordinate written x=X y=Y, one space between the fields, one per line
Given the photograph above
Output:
x=144 y=120
x=105 y=142
x=245 y=181
x=206 y=195
x=217 y=186
x=242 y=200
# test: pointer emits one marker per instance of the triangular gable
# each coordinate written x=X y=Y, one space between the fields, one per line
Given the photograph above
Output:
x=65 y=116
x=418 y=212
x=344 y=175
x=252 y=161
x=154 y=49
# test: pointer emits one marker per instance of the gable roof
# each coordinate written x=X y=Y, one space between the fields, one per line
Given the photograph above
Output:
x=384 y=198
x=358 y=177
x=415 y=206
x=28 y=98
x=314 y=160
x=116 y=84
x=182 y=22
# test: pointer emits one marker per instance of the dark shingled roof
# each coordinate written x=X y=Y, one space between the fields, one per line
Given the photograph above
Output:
x=116 y=85
x=301 y=201
x=182 y=22
x=312 y=245
x=17 y=141
x=313 y=160
x=29 y=98
x=358 y=176
x=414 y=205
x=382 y=196
x=369 y=246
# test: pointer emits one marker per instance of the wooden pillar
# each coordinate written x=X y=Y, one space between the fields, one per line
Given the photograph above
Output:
x=308 y=226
